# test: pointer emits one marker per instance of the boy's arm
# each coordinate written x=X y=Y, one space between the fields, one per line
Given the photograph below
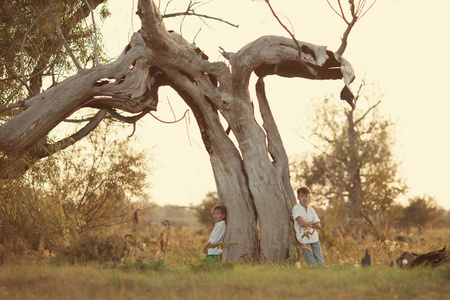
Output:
x=301 y=222
x=205 y=248
x=296 y=216
x=316 y=225
x=316 y=220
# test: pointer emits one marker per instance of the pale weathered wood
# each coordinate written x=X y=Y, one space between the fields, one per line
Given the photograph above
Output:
x=46 y=110
x=252 y=176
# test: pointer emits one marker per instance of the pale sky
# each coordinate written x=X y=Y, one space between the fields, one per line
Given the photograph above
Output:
x=399 y=45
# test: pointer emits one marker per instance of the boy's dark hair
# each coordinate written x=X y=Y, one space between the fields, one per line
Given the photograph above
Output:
x=304 y=190
x=221 y=208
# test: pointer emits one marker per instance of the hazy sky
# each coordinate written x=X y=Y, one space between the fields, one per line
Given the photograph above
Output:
x=400 y=45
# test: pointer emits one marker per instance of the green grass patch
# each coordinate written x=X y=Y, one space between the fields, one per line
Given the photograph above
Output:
x=221 y=281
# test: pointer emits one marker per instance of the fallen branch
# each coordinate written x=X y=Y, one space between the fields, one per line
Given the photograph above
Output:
x=434 y=259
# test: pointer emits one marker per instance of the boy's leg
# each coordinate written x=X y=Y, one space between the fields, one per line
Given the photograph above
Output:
x=317 y=252
x=308 y=255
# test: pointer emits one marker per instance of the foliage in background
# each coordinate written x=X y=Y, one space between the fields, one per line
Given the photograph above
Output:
x=96 y=184
x=178 y=215
x=100 y=178
x=422 y=211
x=123 y=247
x=203 y=210
x=353 y=173
x=33 y=58
x=25 y=210
x=28 y=33
x=25 y=213
x=191 y=215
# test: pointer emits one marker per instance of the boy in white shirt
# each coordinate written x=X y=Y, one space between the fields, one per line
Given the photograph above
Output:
x=306 y=223
x=218 y=233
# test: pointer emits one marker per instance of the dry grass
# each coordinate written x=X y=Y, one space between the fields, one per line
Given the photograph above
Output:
x=167 y=263
x=185 y=244
x=349 y=252
x=242 y=281
x=182 y=245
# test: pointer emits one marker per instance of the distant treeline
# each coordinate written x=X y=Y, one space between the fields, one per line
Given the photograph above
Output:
x=177 y=215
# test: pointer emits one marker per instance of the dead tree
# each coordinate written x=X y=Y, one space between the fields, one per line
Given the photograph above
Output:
x=252 y=176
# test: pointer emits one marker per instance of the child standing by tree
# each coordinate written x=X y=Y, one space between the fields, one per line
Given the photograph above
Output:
x=306 y=223
x=220 y=214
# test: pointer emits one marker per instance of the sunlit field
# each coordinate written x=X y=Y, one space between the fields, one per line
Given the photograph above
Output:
x=238 y=282
x=165 y=262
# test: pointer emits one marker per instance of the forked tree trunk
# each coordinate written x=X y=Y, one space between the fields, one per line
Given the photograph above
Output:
x=252 y=176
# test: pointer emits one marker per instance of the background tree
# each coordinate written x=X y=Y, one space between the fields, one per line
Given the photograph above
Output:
x=101 y=180
x=203 y=210
x=31 y=45
x=248 y=160
x=188 y=215
x=26 y=214
x=96 y=184
x=42 y=42
x=353 y=173
x=422 y=211
x=176 y=215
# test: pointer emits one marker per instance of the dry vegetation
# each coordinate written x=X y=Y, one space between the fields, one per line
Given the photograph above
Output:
x=159 y=260
x=158 y=240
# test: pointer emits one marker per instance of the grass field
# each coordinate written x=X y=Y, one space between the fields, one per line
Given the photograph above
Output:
x=178 y=271
x=232 y=282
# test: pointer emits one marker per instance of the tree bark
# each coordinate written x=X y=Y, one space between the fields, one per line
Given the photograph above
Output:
x=123 y=84
x=252 y=176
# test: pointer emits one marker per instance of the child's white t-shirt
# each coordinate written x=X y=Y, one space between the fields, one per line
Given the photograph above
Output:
x=217 y=236
x=309 y=215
